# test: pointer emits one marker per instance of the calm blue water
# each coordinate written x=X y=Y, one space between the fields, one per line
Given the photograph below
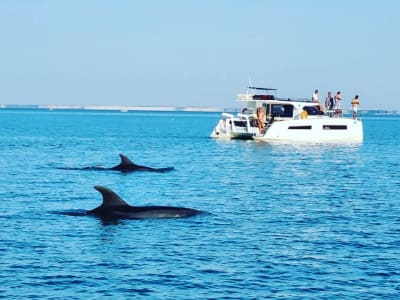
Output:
x=288 y=222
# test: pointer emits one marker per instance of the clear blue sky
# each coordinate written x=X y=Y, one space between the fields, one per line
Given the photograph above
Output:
x=197 y=53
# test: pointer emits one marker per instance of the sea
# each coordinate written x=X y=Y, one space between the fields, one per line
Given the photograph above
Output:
x=280 y=221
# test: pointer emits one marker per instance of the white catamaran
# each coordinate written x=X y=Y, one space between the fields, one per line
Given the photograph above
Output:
x=268 y=118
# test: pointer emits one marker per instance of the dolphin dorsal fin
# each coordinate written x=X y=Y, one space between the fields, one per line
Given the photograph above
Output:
x=125 y=161
x=110 y=198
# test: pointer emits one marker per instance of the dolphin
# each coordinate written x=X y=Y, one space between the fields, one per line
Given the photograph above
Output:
x=126 y=165
x=114 y=207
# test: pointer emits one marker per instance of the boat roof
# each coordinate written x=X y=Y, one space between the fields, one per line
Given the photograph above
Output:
x=261 y=89
x=279 y=101
x=250 y=97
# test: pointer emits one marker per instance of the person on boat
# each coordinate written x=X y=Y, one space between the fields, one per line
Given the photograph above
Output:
x=355 y=103
x=329 y=101
x=338 y=103
x=260 y=119
x=303 y=114
x=315 y=96
x=316 y=100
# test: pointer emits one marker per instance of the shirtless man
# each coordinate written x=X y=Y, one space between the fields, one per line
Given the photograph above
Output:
x=260 y=119
x=355 y=103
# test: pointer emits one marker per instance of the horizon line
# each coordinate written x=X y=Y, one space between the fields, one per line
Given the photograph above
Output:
x=125 y=108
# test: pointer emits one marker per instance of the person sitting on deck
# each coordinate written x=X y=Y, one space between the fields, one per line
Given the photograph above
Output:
x=316 y=100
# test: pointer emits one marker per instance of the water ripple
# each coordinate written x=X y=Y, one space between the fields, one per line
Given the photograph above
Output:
x=285 y=221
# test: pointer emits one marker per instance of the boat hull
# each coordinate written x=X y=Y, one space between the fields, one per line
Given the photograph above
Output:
x=336 y=130
x=312 y=130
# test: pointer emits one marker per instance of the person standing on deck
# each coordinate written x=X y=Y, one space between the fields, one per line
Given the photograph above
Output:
x=329 y=101
x=261 y=120
x=355 y=103
x=338 y=103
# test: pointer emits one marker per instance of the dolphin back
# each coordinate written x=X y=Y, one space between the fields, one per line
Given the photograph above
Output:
x=110 y=198
x=114 y=206
x=126 y=165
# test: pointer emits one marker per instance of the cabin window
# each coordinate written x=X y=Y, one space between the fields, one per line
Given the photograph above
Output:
x=281 y=110
x=334 y=127
x=300 y=127
x=240 y=123
x=313 y=110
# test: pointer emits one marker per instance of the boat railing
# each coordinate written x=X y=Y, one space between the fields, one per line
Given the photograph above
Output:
x=227 y=115
x=244 y=97
x=245 y=116
x=236 y=122
x=230 y=123
x=334 y=113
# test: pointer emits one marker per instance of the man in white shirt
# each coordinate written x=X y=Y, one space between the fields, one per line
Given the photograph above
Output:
x=316 y=100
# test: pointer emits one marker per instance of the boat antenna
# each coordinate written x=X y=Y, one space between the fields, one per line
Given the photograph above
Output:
x=249 y=80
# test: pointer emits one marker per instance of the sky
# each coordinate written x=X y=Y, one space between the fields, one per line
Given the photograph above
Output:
x=197 y=52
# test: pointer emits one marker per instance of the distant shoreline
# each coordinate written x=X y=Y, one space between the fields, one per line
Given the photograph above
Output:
x=121 y=108
x=125 y=108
